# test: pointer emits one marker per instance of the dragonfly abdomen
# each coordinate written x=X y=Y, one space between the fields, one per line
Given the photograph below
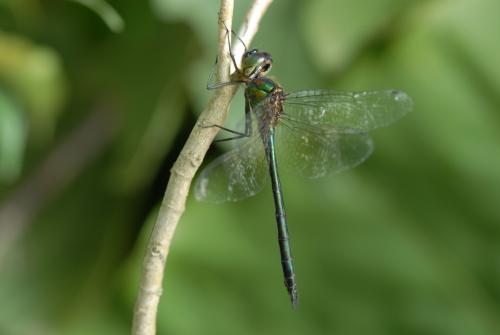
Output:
x=283 y=239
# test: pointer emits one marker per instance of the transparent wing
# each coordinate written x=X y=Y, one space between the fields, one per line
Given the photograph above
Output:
x=237 y=174
x=316 y=151
x=348 y=112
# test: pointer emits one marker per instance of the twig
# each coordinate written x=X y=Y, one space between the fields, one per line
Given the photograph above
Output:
x=184 y=169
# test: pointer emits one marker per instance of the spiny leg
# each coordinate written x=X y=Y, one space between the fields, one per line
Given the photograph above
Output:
x=230 y=48
x=233 y=60
x=239 y=135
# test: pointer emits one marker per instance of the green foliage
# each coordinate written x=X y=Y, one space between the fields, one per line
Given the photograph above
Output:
x=106 y=12
x=33 y=75
x=407 y=243
x=12 y=136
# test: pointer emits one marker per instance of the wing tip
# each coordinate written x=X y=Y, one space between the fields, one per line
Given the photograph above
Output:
x=403 y=99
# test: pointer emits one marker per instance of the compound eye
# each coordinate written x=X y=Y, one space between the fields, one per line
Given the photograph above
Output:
x=248 y=53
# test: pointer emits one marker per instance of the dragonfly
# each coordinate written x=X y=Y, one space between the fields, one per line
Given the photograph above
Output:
x=314 y=132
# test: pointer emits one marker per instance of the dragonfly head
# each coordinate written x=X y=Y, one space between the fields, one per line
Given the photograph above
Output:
x=256 y=63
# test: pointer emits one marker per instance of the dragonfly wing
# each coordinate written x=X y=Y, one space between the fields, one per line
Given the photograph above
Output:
x=316 y=151
x=237 y=174
x=348 y=112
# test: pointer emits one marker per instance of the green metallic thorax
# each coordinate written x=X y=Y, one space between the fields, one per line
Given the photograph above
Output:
x=258 y=89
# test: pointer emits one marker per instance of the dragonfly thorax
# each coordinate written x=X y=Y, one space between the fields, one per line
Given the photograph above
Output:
x=259 y=88
x=269 y=95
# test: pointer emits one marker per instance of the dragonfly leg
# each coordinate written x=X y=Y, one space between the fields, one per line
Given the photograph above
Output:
x=233 y=60
x=219 y=85
x=239 y=39
x=239 y=135
x=230 y=50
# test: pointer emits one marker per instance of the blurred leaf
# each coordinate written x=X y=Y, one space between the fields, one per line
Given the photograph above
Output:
x=12 y=139
x=469 y=27
x=35 y=75
x=163 y=125
x=107 y=13
x=336 y=31
x=194 y=12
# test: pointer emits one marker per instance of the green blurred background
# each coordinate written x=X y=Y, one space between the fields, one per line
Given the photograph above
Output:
x=94 y=109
